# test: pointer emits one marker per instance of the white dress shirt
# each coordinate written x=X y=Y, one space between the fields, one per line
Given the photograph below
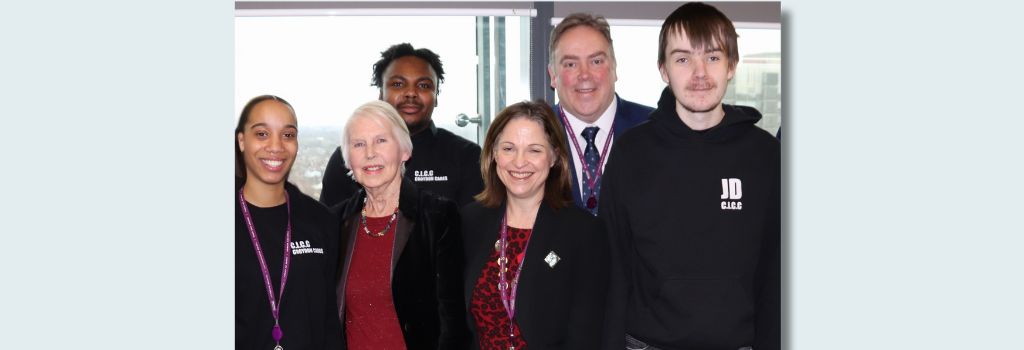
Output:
x=604 y=122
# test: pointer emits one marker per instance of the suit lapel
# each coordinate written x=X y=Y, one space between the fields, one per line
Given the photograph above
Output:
x=627 y=115
x=491 y=223
x=348 y=231
x=622 y=121
x=408 y=204
x=544 y=229
x=402 y=233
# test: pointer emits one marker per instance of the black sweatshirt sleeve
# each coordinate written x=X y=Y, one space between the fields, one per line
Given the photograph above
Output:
x=590 y=283
x=612 y=213
x=767 y=279
x=451 y=303
x=334 y=333
x=472 y=183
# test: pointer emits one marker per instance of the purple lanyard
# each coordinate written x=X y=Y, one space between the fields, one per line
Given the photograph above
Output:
x=508 y=298
x=594 y=173
x=275 y=305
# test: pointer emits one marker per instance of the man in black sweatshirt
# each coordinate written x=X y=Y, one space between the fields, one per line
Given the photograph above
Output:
x=691 y=199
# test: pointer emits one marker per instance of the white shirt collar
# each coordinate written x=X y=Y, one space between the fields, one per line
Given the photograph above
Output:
x=604 y=121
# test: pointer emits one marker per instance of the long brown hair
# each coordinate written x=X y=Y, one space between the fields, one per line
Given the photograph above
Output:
x=557 y=191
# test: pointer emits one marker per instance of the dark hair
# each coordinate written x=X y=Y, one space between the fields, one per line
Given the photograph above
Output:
x=704 y=26
x=578 y=19
x=401 y=50
x=244 y=118
x=556 y=186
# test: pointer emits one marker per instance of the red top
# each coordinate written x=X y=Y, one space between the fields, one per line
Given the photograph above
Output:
x=370 y=318
x=490 y=315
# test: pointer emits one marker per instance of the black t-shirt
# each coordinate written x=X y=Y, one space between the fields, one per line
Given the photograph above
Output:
x=308 y=312
x=270 y=226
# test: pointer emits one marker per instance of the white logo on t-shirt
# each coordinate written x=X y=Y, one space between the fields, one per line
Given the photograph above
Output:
x=303 y=247
x=732 y=191
x=427 y=176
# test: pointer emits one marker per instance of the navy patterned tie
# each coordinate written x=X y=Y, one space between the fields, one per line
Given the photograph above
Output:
x=592 y=157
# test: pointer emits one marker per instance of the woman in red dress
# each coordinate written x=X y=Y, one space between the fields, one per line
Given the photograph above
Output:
x=399 y=285
x=536 y=265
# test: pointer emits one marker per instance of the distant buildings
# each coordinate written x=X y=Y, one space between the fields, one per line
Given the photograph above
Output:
x=761 y=87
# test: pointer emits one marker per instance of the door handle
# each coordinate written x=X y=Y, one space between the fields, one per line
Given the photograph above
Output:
x=462 y=120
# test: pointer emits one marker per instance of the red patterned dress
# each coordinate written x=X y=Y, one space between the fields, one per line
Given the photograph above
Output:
x=491 y=318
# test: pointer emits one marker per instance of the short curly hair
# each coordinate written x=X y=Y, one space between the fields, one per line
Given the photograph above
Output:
x=401 y=50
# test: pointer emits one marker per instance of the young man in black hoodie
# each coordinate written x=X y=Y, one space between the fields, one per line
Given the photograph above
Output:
x=691 y=199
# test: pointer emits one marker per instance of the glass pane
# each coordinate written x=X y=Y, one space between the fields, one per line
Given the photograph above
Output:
x=323 y=66
x=757 y=82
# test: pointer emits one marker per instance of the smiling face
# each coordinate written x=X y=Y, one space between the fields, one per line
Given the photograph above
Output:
x=523 y=157
x=583 y=73
x=269 y=142
x=698 y=77
x=374 y=153
x=410 y=85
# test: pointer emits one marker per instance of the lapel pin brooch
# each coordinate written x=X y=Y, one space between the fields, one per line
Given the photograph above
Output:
x=552 y=259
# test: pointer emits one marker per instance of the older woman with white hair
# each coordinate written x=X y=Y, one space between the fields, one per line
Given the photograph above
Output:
x=399 y=283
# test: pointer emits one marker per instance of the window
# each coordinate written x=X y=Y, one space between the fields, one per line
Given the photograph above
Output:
x=756 y=83
x=323 y=66
x=321 y=61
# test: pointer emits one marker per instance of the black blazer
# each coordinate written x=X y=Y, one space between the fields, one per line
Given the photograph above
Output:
x=426 y=268
x=560 y=307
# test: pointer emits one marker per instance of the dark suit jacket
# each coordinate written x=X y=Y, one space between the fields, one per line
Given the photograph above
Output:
x=560 y=307
x=627 y=115
x=426 y=267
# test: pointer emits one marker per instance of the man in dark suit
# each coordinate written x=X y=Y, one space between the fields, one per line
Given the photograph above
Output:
x=582 y=71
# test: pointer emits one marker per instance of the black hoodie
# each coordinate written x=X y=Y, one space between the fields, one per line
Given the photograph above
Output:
x=695 y=220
